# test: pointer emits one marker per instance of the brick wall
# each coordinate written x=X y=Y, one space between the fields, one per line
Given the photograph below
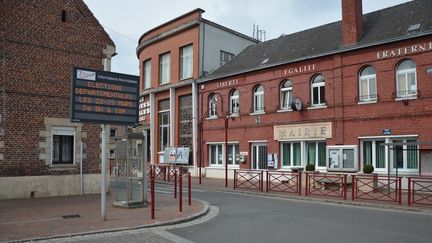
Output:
x=39 y=50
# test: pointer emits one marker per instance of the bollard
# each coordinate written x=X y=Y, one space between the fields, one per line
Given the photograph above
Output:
x=345 y=186
x=267 y=182
x=307 y=184
x=409 y=191
x=299 y=182
x=353 y=187
x=180 y=191
x=235 y=181
x=400 y=190
x=175 y=184
x=152 y=192
x=189 y=189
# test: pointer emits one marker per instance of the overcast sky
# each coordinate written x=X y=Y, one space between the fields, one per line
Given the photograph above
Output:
x=126 y=20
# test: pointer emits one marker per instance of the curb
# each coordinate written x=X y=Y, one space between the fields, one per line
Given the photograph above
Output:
x=192 y=217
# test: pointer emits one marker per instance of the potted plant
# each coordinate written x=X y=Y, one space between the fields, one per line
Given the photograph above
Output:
x=310 y=167
x=368 y=169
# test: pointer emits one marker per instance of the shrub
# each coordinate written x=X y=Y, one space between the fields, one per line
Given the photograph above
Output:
x=310 y=167
x=368 y=169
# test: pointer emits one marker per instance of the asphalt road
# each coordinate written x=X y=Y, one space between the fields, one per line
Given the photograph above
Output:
x=246 y=218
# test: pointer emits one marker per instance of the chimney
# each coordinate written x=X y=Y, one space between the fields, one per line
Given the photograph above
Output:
x=352 y=21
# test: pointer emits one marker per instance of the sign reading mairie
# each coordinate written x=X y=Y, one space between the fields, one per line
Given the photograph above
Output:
x=104 y=97
x=303 y=131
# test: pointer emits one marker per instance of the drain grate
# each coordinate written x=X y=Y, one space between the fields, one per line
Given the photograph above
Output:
x=72 y=216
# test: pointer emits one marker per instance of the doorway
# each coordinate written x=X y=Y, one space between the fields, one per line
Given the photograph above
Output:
x=259 y=156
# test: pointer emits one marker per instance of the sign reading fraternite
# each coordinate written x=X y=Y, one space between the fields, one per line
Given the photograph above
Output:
x=104 y=97
x=303 y=131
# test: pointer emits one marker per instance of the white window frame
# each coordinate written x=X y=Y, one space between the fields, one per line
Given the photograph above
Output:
x=217 y=152
x=374 y=154
x=233 y=165
x=164 y=68
x=225 y=57
x=405 y=156
x=63 y=131
x=258 y=101
x=283 y=104
x=147 y=73
x=341 y=148
x=319 y=86
x=368 y=78
x=186 y=62
x=291 y=159
x=161 y=129
x=212 y=106
x=316 y=153
x=405 y=72
x=234 y=99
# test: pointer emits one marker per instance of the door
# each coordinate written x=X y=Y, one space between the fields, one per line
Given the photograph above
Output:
x=259 y=156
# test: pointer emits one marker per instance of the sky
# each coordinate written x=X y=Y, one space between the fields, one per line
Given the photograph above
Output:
x=126 y=20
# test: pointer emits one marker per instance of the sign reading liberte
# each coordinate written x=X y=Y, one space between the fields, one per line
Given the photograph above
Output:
x=104 y=97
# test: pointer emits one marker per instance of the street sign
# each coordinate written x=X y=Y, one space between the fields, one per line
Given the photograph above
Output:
x=104 y=97
x=387 y=131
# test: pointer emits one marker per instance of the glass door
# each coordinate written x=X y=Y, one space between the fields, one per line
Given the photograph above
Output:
x=259 y=156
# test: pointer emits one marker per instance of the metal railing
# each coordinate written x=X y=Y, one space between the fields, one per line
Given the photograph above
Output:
x=248 y=179
x=377 y=188
x=279 y=181
x=420 y=191
x=325 y=184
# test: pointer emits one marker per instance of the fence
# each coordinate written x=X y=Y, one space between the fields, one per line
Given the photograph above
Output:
x=420 y=191
x=279 y=181
x=248 y=179
x=377 y=188
x=325 y=184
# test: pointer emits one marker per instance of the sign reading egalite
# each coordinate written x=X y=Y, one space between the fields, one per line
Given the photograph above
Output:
x=104 y=97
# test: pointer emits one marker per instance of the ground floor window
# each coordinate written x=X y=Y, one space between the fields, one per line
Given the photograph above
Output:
x=63 y=145
x=291 y=154
x=215 y=154
x=316 y=153
x=233 y=154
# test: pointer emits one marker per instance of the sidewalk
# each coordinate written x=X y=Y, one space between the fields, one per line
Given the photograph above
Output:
x=219 y=184
x=44 y=217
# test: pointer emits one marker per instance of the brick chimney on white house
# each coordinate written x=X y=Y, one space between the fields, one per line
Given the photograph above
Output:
x=352 y=21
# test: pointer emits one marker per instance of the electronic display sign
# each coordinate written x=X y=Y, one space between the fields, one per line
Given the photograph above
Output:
x=104 y=97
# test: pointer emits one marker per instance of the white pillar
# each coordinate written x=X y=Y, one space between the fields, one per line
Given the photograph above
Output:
x=195 y=127
x=172 y=116
x=152 y=127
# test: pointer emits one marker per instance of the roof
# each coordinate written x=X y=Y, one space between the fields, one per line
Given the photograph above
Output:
x=386 y=25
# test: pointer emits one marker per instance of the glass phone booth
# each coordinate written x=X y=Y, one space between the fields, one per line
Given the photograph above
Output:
x=130 y=181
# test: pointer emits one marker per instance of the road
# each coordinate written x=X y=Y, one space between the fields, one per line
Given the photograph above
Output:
x=248 y=218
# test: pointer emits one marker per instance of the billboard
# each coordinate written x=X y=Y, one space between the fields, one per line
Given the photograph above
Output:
x=104 y=97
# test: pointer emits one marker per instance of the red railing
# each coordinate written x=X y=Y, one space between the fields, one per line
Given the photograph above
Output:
x=377 y=188
x=279 y=181
x=420 y=190
x=173 y=173
x=248 y=179
x=160 y=172
x=324 y=184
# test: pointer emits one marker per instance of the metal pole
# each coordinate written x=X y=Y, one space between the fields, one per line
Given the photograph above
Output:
x=409 y=191
x=152 y=192
x=189 y=189
x=235 y=181
x=200 y=144
x=345 y=187
x=175 y=183
x=180 y=191
x=103 y=174
x=353 y=187
x=299 y=182
x=81 y=168
x=226 y=151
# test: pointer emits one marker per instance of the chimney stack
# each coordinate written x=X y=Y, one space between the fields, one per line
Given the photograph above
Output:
x=352 y=21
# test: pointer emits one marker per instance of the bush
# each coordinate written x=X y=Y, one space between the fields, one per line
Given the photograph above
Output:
x=368 y=169
x=310 y=167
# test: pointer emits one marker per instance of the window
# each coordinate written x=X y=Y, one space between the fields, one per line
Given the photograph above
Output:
x=374 y=153
x=258 y=100
x=186 y=62
x=291 y=154
x=318 y=90
x=233 y=154
x=212 y=105
x=225 y=57
x=215 y=154
x=164 y=68
x=286 y=95
x=367 y=85
x=406 y=79
x=113 y=132
x=147 y=74
x=342 y=158
x=316 y=153
x=405 y=156
x=62 y=145
x=234 y=102
x=112 y=154
x=164 y=124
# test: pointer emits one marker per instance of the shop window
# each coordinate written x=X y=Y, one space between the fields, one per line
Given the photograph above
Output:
x=316 y=153
x=406 y=80
x=258 y=99
x=286 y=95
x=225 y=57
x=164 y=68
x=186 y=62
x=318 y=91
x=164 y=124
x=63 y=146
x=291 y=154
x=234 y=102
x=212 y=103
x=147 y=74
x=215 y=154
x=367 y=85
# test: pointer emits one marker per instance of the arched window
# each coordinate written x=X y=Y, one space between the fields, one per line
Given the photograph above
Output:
x=258 y=100
x=406 y=79
x=367 y=85
x=285 y=95
x=318 y=90
x=212 y=105
x=234 y=101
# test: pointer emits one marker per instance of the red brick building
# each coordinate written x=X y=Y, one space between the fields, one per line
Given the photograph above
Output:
x=172 y=57
x=40 y=149
x=338 y=96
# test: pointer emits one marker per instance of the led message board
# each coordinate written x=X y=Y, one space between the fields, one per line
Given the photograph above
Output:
x=104 y=97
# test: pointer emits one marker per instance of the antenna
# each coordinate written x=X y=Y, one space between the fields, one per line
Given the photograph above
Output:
x=258 y=34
